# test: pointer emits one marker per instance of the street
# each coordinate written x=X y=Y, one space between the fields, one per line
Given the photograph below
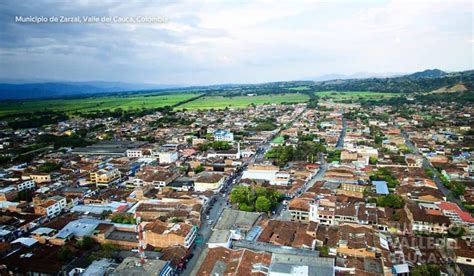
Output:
x=427 y=165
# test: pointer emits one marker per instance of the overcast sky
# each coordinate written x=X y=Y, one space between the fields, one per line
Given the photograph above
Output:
x=210 y=42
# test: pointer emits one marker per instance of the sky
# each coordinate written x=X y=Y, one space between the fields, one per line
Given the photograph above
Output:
x=212 y=42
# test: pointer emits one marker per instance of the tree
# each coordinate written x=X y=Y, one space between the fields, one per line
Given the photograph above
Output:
x=262 y=204
x=105 y=214
x=239 y=194
x=456 y=231
x=65 y=254
x=391 y=200
x=85 y=243
x=425 y=270
x=373 y=160
x=245 y=207
x=199 y=169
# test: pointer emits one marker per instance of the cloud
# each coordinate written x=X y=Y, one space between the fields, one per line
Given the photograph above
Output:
x=218 y=42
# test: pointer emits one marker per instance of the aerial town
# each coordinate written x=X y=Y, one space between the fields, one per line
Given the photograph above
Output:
x=275 y=189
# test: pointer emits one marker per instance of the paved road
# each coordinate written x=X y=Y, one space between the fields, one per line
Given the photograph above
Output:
x=427 y=165
x=205 y=232
x=340 y=141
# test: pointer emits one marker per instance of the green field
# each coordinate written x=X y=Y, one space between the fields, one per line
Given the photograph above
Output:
x=278 y=140
x=218 y=102
x=299 y=88
x=348 y=95
x=94 y=103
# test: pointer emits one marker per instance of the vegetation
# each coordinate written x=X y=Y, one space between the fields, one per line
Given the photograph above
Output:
x=264 y=125
x=383 y=174
x=106 y=251
x=199 y=169
x=425 y=270
x=221 y=102
x=304 y=151
x=85 y=243
x=333 y=156
x=391 y=200
x=256 y=198
x=49 y=167
x=94 y=104
x=216 y=145
x=74 y=140
x=354 y=95
x=65 y=254
x=123 y=218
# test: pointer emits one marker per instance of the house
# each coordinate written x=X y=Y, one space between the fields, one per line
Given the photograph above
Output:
x=162 y=234
x=153 y=177
x=152 y=267
x=209 y=181
x=8 y=193
x=428 y=220
x=51 y=207
x=300 y=208
x=223 y=135
x=456 y=215
x=413 y=161
x=464 y=253
x=41 y=177
x=288 y=233
x=225 y=261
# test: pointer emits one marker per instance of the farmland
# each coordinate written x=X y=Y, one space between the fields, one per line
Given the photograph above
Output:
x=153 y=100
x=354 y=95
x=219 y=102
x=90 y=104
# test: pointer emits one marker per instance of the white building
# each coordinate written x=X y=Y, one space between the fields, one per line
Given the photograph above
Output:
x=167 y=157
x=27 y=185
x=209 y=181
x=223 y=135
x=270 y=173
x=131 y=153
x=54 y=206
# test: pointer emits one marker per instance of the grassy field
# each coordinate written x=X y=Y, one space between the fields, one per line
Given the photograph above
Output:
x=348 y=95
x=94 y=103
x=299 y=88
x=218 y=102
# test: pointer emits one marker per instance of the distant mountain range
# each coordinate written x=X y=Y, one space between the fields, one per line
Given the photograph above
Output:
x=425 y=81
x=361 y=75
x=35 y=90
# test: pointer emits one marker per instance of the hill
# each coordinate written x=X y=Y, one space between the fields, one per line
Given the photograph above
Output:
x=429 y=73
x=425 y=81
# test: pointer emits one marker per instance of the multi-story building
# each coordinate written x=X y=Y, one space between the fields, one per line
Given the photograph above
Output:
x=167 y=157
x=223 y=135
x=26 y=185
x=51 y=207
x=161 y=234
x=105 y=177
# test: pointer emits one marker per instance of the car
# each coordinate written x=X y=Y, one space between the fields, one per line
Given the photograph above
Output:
x=207 y=217
x=210 y=222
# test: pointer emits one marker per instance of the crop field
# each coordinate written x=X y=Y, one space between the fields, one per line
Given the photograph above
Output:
x=348 y=95
x=219 y=102
x=94 y=103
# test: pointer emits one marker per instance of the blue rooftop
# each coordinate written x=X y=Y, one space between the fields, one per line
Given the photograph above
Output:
x=381 y=187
